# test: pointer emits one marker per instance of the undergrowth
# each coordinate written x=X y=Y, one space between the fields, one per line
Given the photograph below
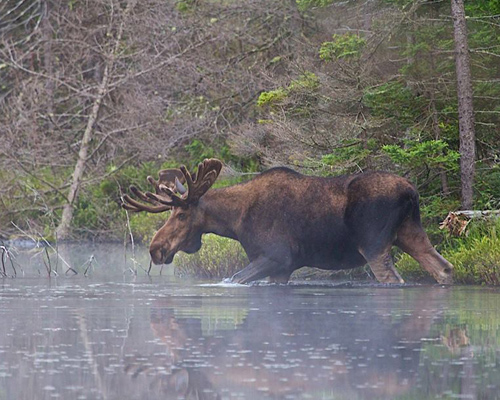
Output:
x=218 y=258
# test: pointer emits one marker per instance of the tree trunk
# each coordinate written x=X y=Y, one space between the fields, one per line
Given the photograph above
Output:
x=48 y=63
x=465 y=107
x=63 y=230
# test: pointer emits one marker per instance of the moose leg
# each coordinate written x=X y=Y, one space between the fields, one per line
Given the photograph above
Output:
x=259 y=268
x=281 y=277
x=382 y=266
x=413 y=240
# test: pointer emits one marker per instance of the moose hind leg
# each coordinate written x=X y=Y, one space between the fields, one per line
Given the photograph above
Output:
x=382 y=267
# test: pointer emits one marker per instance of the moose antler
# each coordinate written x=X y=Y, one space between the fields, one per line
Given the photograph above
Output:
x=198 y=184
x=170 y=184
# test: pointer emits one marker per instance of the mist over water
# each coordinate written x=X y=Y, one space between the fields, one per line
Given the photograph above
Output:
x=116 y=335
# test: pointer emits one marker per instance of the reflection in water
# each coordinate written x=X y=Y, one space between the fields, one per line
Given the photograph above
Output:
x=292 y=344
x=114 y=336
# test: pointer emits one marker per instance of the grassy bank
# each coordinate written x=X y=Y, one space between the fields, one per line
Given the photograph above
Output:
x=218 y=258
x=98 y=216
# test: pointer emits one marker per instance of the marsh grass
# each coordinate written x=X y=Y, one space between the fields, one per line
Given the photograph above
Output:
x=218 y=258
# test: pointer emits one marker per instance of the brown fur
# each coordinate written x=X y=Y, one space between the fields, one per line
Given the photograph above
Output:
x=285 y=220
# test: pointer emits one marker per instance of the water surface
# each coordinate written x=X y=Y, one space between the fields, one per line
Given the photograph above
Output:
x=115 y=335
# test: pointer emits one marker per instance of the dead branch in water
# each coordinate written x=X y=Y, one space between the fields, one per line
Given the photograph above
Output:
x=41 y=239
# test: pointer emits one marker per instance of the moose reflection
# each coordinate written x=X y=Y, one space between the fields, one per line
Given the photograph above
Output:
x=291 y=352
x=285 y=220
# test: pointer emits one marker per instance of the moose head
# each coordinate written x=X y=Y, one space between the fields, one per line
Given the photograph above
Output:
x=184 y=227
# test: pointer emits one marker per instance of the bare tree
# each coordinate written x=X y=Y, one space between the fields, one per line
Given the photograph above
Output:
x=63 y=230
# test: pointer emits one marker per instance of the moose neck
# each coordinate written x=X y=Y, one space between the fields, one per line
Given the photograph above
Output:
x=222 y=210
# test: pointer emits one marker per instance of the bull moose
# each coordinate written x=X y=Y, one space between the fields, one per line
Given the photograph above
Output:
x=285 y=220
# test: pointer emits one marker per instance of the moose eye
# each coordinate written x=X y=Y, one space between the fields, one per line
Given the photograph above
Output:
x=181 y=217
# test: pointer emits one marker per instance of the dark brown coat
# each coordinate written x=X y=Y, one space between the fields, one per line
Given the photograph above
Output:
x=285 y=220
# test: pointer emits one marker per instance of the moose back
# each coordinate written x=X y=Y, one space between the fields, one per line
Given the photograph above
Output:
x=285 y=220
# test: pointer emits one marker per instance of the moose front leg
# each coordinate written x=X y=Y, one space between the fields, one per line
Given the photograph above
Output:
x=382 y=267
x=260 y=268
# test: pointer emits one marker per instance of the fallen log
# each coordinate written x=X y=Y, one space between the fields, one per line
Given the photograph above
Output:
x=456 y=222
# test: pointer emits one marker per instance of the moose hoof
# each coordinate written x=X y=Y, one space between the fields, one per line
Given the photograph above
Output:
x=445 y=277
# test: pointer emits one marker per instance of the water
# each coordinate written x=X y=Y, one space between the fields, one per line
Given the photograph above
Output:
x=113 y=335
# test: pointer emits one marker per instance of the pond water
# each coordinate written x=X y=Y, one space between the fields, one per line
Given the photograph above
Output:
x=115 y=335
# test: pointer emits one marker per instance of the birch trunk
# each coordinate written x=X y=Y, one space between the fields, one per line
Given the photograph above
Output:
x=63 y=231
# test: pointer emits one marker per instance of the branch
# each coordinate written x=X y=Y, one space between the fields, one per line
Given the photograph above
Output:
x=103 y=140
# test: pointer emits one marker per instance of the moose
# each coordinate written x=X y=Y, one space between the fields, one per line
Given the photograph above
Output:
x=285 y=220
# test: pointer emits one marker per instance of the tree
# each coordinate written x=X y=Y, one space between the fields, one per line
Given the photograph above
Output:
x=465 y=106
x=63 y=230
x=326 y=86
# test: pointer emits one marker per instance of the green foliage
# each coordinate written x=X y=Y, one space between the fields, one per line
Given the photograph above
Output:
x=198 y=150
x=431 y=153
x=488 y=187
x=218 y=258
x=144 y=225
x=308 y=81
x=433 y=210
x=410 y=270
x=305 y=84
x=400 y=3
x=476 y=256
x=184 y=6
x=98 y=210
x=271 y=97
x=482 y=8
x=350 y=153
x=348 y=45
x=394 y=100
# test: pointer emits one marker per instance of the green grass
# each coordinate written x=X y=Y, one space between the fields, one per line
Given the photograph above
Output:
x=218 y=258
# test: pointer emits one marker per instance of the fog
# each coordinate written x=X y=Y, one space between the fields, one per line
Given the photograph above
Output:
x=114 y=334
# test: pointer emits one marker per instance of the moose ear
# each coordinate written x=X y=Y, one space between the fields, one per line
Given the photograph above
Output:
x=167 y=176
x=179 y=186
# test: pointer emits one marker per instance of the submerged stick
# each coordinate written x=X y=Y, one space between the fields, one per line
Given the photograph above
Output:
x=7 y=254
x=37 y=243
x=3 y=272
x=89 y=262
x=57 y=253
x=48 y=265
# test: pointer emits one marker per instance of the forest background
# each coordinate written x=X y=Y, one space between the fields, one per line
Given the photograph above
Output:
x=97 y=94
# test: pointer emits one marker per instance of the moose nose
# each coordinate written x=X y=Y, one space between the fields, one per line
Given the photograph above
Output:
x=157 y=254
